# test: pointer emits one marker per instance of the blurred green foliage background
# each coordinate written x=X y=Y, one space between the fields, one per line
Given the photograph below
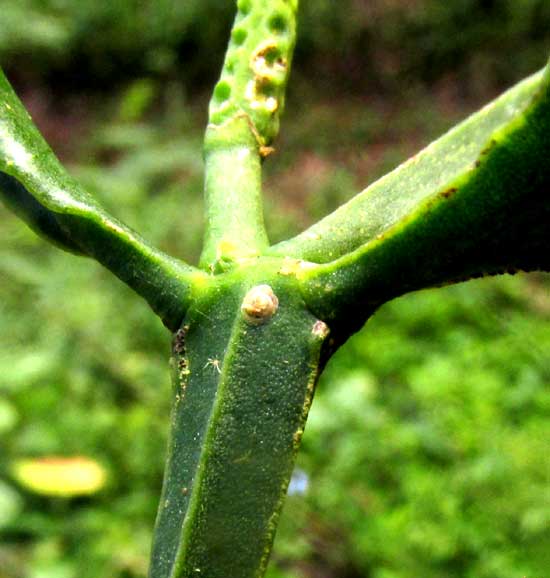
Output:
x=427 y=450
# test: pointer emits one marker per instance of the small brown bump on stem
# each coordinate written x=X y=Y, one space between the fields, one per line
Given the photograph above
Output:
x=259 y=304
x=320 y=329
x=297 y=438
x=266 y=151
x=449 y=192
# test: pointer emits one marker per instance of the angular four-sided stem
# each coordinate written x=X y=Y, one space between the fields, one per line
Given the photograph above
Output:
x=254 y=324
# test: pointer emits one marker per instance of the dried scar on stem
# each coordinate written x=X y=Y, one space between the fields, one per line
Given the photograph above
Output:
x=259 y=304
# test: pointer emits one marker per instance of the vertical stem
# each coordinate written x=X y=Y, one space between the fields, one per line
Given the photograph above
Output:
x=245 y=365
x=233 y=183
x=243 y=121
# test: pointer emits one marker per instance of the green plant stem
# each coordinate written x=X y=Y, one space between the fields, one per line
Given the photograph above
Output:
x=235 y=227
x=39 y=190
x=243 y=121
x=491 y=219
x=242 y=391
x=253 y=334
x=429 y=173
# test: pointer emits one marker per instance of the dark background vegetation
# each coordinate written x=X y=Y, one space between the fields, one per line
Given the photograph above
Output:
x=427 y=450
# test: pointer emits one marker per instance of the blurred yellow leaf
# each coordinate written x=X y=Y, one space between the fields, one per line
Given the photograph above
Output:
x=60 y=476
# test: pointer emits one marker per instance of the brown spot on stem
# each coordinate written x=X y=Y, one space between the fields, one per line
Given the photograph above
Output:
x=259 y=304
x=492 y=144
x=449 y=192
x=320 y=329
x=265 y=151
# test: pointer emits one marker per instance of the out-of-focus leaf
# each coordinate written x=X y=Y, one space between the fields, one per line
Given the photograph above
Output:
x=8 y=416
x=60 y=477
x=10 y=504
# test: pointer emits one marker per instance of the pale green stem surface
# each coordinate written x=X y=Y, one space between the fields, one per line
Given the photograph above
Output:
x=243 y=121
x=233 y=184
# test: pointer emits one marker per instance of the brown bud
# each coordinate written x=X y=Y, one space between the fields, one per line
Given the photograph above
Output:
x=259 y=304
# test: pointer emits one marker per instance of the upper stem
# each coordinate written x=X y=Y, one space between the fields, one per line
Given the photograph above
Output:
x=233 y=184
x=243 y=121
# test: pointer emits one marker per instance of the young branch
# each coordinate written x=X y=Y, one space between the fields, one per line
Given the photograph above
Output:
x=35 y=186
x=244 y=120
x=492 y=218
x=430 y=172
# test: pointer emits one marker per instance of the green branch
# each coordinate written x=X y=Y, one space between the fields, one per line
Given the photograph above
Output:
x=427 y=174
x=37 y=188
x=244 y=120
x=492 y=218
x=245 y=365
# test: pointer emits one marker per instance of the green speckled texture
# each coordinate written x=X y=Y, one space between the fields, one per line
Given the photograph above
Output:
x=256 y=67
x=243 y=121
x=241 y=396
